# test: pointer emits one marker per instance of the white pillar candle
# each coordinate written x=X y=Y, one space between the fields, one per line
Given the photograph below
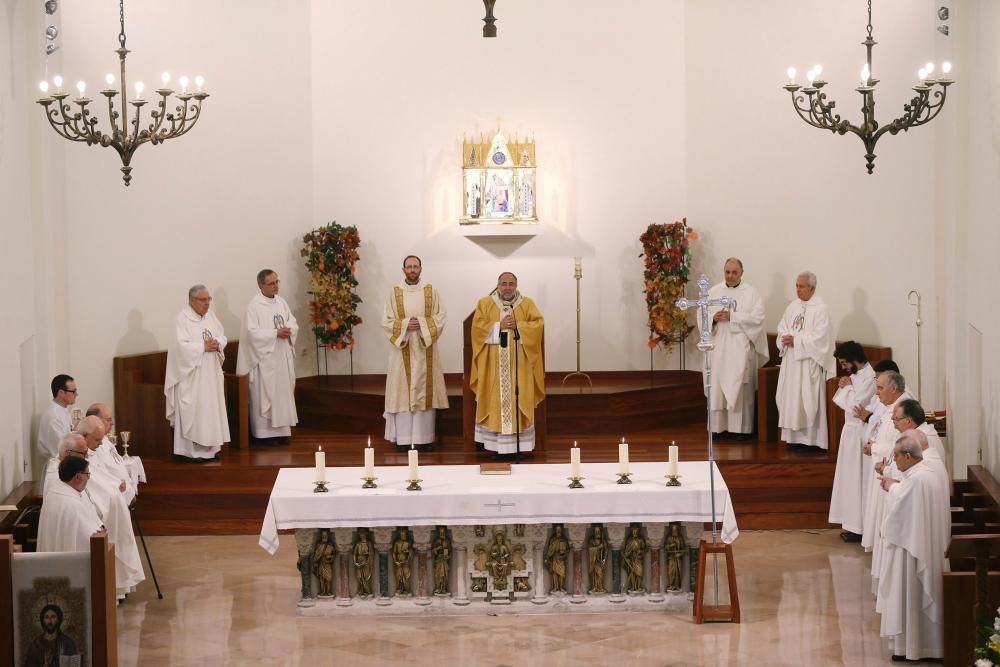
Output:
x=369 y=461
x=412 y=458
x=672 y=461
x=574 y=461
x=320 y=465
x=623 y=458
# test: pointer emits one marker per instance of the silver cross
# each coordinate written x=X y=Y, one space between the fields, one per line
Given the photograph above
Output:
x=703 y=303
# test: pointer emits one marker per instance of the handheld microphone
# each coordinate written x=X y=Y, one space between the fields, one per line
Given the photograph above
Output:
x=503 y=339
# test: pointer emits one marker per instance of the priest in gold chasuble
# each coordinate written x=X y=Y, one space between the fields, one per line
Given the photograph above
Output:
x=497 y=319
x=413 y=320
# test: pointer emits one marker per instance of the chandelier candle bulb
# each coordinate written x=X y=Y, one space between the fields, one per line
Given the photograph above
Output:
x=109 y=79
x=791 y=75
x=165 y=78
x=184 y=84
x=44 y=87
x=414 y=463
x=574 y=461
x=623 y=458
x=929 y=67
x=57 y=80
x=199 y=81
x=672 y=459
x=139 y=87
x=946 y=67
x=81 y=86
x=320 y=465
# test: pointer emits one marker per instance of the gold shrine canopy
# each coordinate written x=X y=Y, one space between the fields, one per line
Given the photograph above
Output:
x=498 y=181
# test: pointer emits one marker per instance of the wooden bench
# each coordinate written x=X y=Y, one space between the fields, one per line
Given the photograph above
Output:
x=140 y=406
x=972 y=588
x=21 y=523
x=767 y=386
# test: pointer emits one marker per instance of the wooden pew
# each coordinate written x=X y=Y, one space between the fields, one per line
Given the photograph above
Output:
x=22 y=522
x=972 y=588
x=140 y=406
x=469 y=399
x=767 y=386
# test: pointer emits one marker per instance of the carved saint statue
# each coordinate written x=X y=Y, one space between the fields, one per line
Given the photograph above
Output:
x=441 y=553
x=499 y=561
x=555 y=559
x=633 y=555
x=322 y=563
x=597 y=559
x=517 y=562
x=362 y=556
x=304 y=543
x=480 y=563
x=675 y=546
x=402 y=550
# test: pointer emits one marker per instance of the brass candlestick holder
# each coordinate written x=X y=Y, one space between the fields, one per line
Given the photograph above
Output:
x=672 y=480
x=321 y=487
x=574 y=482
x=578 y=275
x=414 y=485
x=125 y=437
x=369 y=483
x=623 y=478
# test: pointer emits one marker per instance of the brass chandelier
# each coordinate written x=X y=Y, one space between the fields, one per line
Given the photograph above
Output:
x=127 y=133
x=815 y=110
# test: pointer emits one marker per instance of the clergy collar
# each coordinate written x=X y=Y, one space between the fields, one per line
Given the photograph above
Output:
x=734 y=286
x=270 y=300
x=407 y=286
x=193 y=316
x=513 y=303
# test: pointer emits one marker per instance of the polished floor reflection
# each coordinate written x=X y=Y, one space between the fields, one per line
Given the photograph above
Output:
x=805 y=599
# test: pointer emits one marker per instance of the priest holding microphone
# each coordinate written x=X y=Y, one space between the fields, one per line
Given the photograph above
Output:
x=508 y=368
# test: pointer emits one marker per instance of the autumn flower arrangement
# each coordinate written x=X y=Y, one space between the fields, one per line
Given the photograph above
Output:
x=666 y=251
x=331 y=253
x=988 y=643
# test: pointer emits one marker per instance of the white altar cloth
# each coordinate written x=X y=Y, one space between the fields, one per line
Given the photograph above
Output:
x=460 y=496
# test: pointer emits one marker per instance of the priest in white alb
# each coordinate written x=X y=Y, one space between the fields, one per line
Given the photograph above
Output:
x=507 y=354
x=413 y=320
x=108 y=494
x=194 y=385
x=72 y=444
x=267 y=355
x=856 y=388
x=805 y=343
x=68 y=518
x=56 y=421
x=740 y=349
x=107 y=455
x=916 y=533
x=890 y=387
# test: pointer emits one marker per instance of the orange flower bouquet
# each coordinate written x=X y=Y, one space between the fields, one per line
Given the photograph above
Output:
x=666 y=249
x=331 y=253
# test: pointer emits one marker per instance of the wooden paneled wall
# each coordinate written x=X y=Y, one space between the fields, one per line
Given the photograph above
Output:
x=767 y=386
x=140 y=405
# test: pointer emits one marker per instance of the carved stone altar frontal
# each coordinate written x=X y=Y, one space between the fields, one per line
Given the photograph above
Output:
x=496 y=569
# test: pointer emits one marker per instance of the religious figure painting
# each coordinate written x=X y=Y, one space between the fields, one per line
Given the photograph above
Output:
x=52 y=624
x=499 y=194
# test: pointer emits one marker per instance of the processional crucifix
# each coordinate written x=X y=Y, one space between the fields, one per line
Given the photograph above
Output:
x=706 y=345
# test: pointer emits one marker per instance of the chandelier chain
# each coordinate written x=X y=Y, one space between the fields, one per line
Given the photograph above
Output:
x=121 y=18
x=869 y=19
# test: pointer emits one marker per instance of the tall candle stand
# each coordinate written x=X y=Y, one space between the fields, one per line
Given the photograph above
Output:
x=578 y=275
x=919 y=323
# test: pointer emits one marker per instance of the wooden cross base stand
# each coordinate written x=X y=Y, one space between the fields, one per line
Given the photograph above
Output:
x=702 y=612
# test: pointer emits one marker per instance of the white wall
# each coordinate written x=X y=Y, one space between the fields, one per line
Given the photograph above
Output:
x=355 y=111
x=32 y=339
x=970 y=241
x=786 y=197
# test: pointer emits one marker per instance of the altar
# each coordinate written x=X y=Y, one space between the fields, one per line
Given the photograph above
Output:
x=518 y=543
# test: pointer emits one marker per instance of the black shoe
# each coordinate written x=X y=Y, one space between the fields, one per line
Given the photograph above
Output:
x=850 y=537
x=720 y=436
x=742 y=437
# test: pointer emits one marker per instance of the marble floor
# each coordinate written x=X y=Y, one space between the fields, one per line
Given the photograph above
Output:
x=804 y=595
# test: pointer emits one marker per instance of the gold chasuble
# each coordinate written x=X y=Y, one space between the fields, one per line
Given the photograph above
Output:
x=492 y=377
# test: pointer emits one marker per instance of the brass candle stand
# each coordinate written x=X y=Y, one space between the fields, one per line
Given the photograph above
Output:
x=672 y=480
x=414 y=485
x=574 y=482
x=369 y=483
x=578 y=275
x=623 y=478
x=321 y=487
